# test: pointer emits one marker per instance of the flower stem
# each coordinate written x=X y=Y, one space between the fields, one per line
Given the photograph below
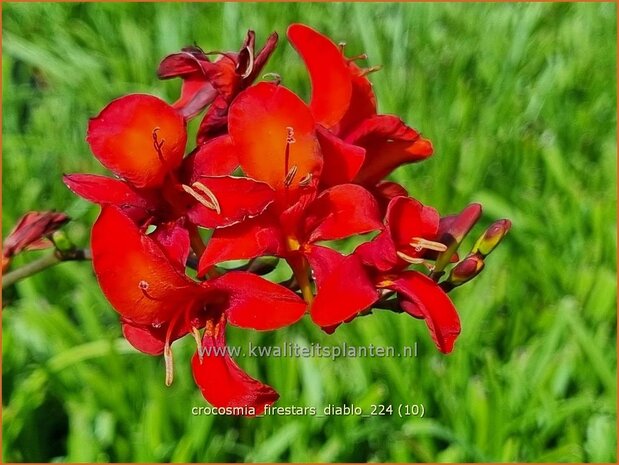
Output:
x=43 y=263
x=300 y=269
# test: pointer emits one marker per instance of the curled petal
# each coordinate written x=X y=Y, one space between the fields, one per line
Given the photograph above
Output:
x=104 y=191
x=256 y=303
x=237 y=200
x=408 y=218
x=341 y=211
x=384 y=191
x=139 y=138
x=362 y=100
x=249 y=239
x=213 y=158
x=328 y=70
x=344 y=289
x=342 y=161
x=379 y=253
x=389 y=143
x=134 y=273
x=222 y=382
x=273 y=133
x=432 y=304
x=215 y=121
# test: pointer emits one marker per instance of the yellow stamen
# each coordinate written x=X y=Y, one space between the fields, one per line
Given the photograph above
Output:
x=306 y=180
x=420 y=243
x=212 y=203
x=290 y=176
x=409 y=259
x=198 y=338
x=169 y=364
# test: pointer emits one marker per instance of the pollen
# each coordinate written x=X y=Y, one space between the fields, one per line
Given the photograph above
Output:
x=420 y=243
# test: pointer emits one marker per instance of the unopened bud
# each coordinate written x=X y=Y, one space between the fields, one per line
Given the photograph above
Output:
x=451 y=232
x=466 y=270
x=62 y=242
x=491 y=237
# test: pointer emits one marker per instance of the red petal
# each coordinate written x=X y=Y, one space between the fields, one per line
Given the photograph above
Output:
x=328 y=69
x=341 y=211
x=238 y=199
x=389 y=143
x=214 y=158
x=362 y=101
x=384 y=191
x=431 y=302
x=123 y=137
x=215 y=121
x=103 y=190
x=134 y=273
x=261 y=121
x=342 y=161
x=407 y=218
x=256 y=303
x=251 y=238
x=146 y=339
x=173 y=239
x=379 y=253
x=222 y=382
x=344 y=288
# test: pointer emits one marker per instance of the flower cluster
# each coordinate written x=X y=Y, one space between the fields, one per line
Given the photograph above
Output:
x=270 y=176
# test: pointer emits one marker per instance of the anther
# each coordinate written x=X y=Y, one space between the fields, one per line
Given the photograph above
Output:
x=290 y=176
x=371 y=69
x=169 y=364
x=196 y=335
x=211 y=203
x=306 y=180
x=420 y=243
x=158 y=144
x=341 y=46
x=363 y=56
x=409 y=259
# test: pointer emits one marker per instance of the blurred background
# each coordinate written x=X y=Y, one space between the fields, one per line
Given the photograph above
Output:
x=520 y=103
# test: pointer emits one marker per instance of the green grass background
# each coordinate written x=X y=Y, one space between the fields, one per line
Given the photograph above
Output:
x=520 y=103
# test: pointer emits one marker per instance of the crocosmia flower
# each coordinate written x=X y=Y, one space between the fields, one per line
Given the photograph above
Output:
x=271 y=176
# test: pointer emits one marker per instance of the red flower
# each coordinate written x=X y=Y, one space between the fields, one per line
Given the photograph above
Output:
x=411 y=231
x=275 y=136
x=215 y=83
x=141 y=139
x=145 y=281
x=344 y=103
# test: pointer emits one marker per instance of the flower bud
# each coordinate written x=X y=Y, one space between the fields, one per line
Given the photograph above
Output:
x=491 y=237
x=466 y=270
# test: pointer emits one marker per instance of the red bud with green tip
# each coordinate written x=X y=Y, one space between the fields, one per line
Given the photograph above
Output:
x=464 y=271
x=491 y=237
